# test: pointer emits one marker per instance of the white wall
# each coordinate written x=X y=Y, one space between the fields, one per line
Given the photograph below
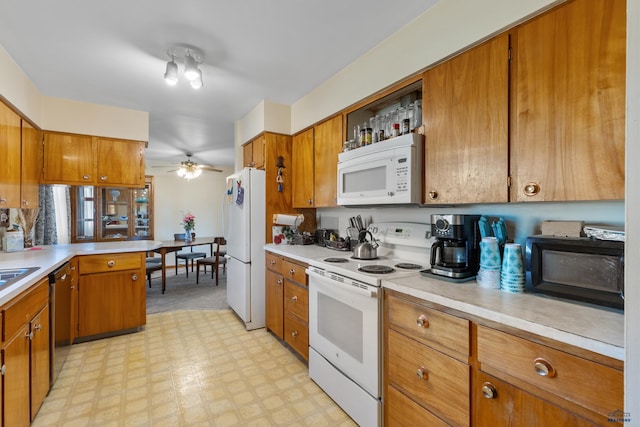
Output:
x=175 y=196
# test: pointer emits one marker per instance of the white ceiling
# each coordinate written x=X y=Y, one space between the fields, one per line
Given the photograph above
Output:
x=115 y=52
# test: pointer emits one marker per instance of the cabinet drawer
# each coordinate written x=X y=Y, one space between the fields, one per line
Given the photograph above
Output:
x=24 y=307
x=294 y=271
x=401 y=411
x=296 y=300
x=296 y=334
x=442 y=331
x=589 y=384
x=109 y=262
x=436 y=381
x=273 y=262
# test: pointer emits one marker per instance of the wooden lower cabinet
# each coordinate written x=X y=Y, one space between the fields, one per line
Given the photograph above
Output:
x=499 y=403
x=287 y=302
x=25 y=355
x=111 y=294
x=489 y=375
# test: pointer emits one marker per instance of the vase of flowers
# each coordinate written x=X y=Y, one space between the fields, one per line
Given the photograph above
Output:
x=188 y=223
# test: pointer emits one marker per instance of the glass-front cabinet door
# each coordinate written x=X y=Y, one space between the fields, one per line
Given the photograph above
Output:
x=110 y=213
x=115 y=204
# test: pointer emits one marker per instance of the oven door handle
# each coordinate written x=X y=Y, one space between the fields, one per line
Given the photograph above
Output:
x=365 y=290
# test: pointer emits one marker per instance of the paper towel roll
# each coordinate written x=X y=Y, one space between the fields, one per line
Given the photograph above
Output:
x=283 y=219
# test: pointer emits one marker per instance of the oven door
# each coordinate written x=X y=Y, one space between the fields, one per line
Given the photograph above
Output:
x=344 y=327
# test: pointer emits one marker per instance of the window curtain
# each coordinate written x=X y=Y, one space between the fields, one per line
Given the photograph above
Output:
x=54 y=222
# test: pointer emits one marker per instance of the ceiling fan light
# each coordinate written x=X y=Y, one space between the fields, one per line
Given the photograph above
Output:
x=171 y=75
x=197 y=82
x=197 y=172
x=190 y=67
x=181 y=171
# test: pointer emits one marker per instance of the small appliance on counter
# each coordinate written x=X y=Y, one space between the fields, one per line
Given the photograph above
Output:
x=456 y=252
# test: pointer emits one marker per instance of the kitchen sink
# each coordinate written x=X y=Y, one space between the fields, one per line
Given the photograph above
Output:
x=11 y=275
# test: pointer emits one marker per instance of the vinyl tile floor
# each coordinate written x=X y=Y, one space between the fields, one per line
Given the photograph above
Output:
x=187 y=368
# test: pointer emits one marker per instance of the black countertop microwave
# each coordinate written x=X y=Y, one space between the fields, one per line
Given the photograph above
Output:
x=576 y=268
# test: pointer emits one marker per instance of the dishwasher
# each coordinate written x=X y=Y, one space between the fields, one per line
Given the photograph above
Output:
x=60 y=318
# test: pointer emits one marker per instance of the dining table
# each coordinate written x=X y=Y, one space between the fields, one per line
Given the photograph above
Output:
x=168 y=246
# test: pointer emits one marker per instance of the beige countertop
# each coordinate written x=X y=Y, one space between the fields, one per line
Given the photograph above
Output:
x=596 y=329
x=48 y=258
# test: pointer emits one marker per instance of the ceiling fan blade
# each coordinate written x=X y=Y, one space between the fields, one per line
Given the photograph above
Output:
x=209 y=168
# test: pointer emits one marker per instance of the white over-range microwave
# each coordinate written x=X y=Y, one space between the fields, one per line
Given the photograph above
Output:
x=388 y=172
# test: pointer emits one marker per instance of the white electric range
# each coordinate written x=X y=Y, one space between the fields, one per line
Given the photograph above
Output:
x=345 y=316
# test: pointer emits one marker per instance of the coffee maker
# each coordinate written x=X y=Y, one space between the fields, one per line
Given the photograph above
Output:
x=456 y=251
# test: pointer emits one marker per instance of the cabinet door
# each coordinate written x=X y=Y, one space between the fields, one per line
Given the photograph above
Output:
x=10 y=155
x=68 y=159
x=15 y=379
x=30 y=177
x=568 y=100
x=247 y=155
x=466 y=128
x=326 y=147
x=120 y=162
x=499 y=403
x=40 y=348
x=274 y=294
x=302 y=162
x=257 y=148
x=110 y=302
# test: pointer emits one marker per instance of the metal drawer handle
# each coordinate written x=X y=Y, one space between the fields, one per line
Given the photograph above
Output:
x=422 y=373
x=294 y=298
x=111 y=263
x=489 y=391
x=422 y=321
x=544 y=368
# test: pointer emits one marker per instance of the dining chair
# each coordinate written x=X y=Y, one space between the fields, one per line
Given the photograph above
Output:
x=216 y=261
x=152 y=265
x=187 y=256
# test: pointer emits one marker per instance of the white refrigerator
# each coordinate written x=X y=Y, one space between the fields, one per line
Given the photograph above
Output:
x=245 y=235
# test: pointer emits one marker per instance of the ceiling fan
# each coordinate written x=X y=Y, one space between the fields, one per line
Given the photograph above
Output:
x=189 y=169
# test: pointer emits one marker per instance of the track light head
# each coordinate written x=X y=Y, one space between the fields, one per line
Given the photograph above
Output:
x=171 y=75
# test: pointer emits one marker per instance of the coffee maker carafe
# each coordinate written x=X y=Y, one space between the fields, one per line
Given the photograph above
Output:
x=456 y=251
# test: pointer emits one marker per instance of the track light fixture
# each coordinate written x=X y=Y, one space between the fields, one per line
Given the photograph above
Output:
x=192 y=58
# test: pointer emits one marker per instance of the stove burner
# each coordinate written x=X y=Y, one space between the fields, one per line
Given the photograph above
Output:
x=376 y=269
x=409 y=266
x=336 y=260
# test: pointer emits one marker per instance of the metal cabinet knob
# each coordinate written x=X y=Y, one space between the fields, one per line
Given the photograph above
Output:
x=279 y=282
x=489 y=391
x=531 y=189
x=25 y=203
x=433 y=194
x=3 y=200
x=422 y=373
x=37 y=327
x=294 y=334
x=422 y=321
x=292 y=272
x=85 y=177
x=310 y=201
x=544 y=368
x=111 y=263
x=134 y=277
x=3 y=370
x=294 y=298
x=272 y=262
x=29 y=335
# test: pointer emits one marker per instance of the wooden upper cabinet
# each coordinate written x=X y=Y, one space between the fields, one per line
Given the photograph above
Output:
x=466 y=111
x=302 y=169
x=68 y=159
x=253 y=153
x=120 y=162
x=89 y=160
x=568 y=103
x=10 y=155
x=327 y=145
x=31 y=165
